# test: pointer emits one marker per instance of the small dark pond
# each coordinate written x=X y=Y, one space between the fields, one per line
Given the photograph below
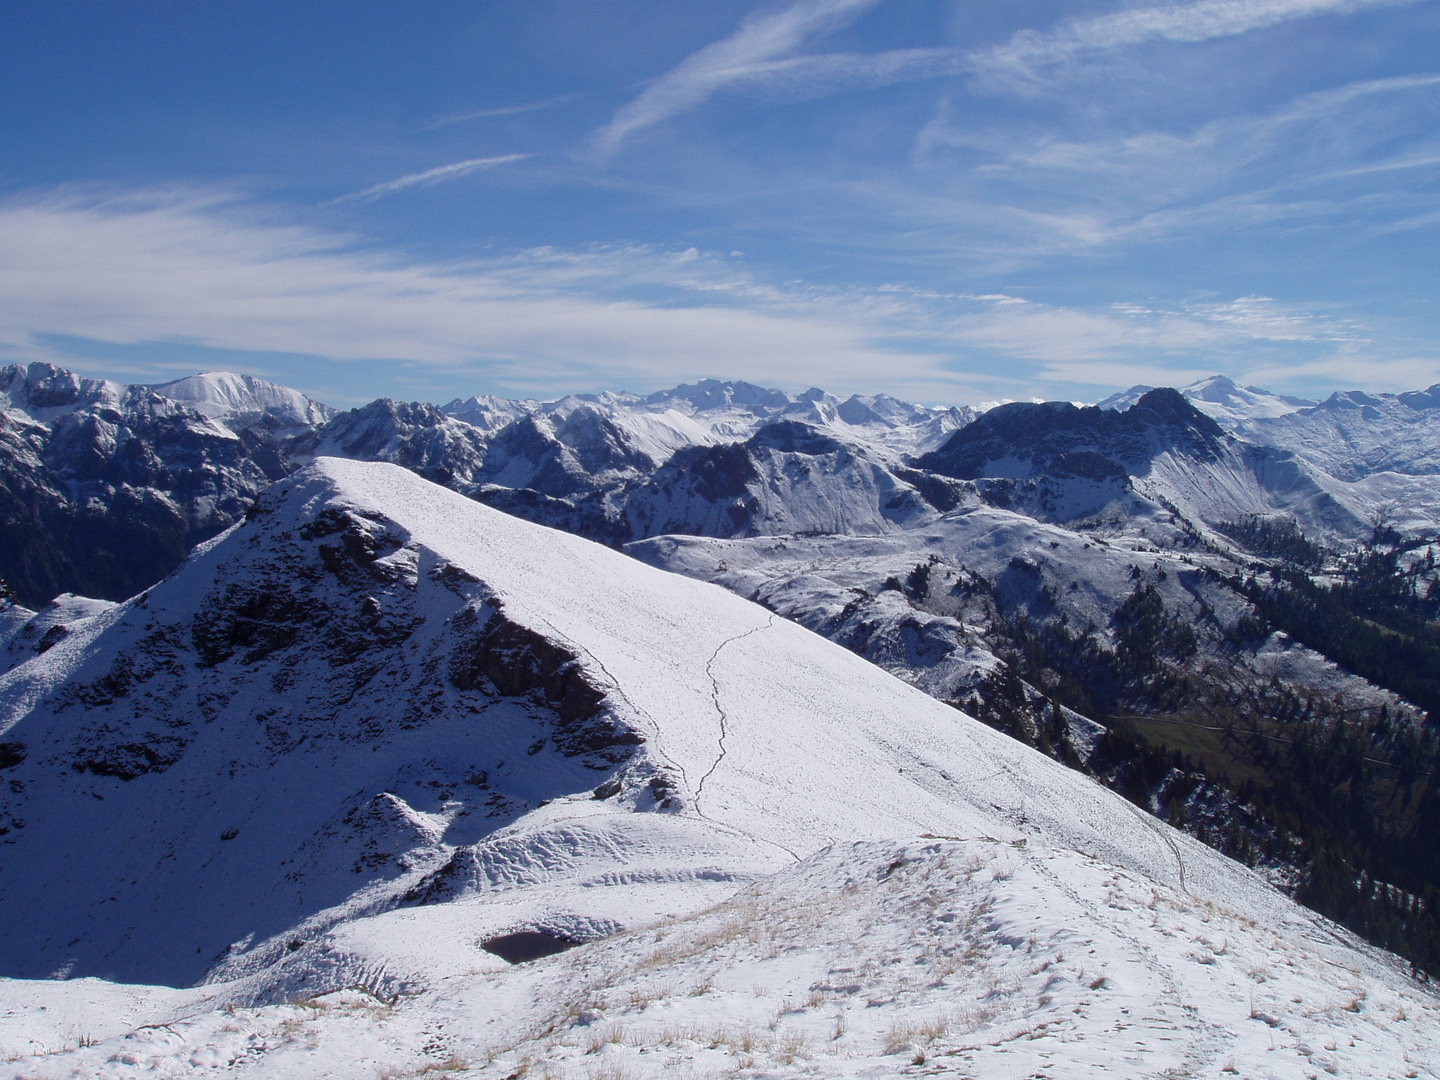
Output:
x=525 y=945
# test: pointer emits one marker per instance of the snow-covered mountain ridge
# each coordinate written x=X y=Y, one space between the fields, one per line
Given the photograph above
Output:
x=106 y=486
x=1059 y=462
x=376 y=662
x=375 y=725
x=1351 y=434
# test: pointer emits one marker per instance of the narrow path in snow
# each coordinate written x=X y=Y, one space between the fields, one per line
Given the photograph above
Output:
x=654 y=735
x=715 y=697
x=615 y=688
x=1203 y=1042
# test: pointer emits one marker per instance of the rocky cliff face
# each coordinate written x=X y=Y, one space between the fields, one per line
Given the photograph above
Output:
x=104 y=488
x=318 y=706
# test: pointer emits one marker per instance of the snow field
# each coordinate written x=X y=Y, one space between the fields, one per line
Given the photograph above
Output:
x=938 y=957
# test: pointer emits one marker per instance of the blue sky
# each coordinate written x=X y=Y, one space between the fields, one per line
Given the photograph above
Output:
x=947 y=200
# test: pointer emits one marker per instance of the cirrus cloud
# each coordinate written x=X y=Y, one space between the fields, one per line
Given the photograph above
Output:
x=430 y=177
x=210 y=270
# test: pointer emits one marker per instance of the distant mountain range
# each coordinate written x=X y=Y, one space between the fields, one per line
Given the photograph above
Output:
x=1351 y=435
x=105 y=487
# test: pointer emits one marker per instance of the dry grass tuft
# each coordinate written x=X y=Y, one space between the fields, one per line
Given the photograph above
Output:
x=790 y=1046
x=604 y=1035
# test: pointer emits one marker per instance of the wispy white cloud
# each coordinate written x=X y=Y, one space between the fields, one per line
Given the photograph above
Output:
x=1260 y=318
x=1350 y=369
x=504 y=110
x=431 y=176
x=196 y=269
x=1426 y=220
x=1027 y=52
x=199 y=269
x=1212 y=148
x=1132 y=343
x=702 y=74
x=759 y=57
x=1069 y=341
x=825 y=73
x=1308 y=160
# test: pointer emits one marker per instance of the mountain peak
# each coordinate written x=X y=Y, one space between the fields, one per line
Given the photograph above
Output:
x=1221 y=398
x=226 y=395
x=714 y=394
x=1170 y=408
x=1025 y=439
x=44 y=390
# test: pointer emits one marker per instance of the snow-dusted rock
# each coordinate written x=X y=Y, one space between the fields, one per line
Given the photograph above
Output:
x=103 y=488
x=1057 y=462
x=241 y=401
x=1373 y=452
x=1355 y=435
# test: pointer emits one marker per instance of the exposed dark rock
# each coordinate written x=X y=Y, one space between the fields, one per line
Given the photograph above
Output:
x=792 y=437
x=127 y=760
x=518 y=662
x=714 y=473
x=104 y=489
x=941 y=492
x=608 y=790
x=1057 y=439
x=255 y=617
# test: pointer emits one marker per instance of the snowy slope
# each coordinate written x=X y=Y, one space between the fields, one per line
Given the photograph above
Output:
x=25 y=633
x=238 y=401
x=980 y=562
x=376 y=724
x=965 y=957
x=1222 y=400
x=1356 y=435
x=1351 y=436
